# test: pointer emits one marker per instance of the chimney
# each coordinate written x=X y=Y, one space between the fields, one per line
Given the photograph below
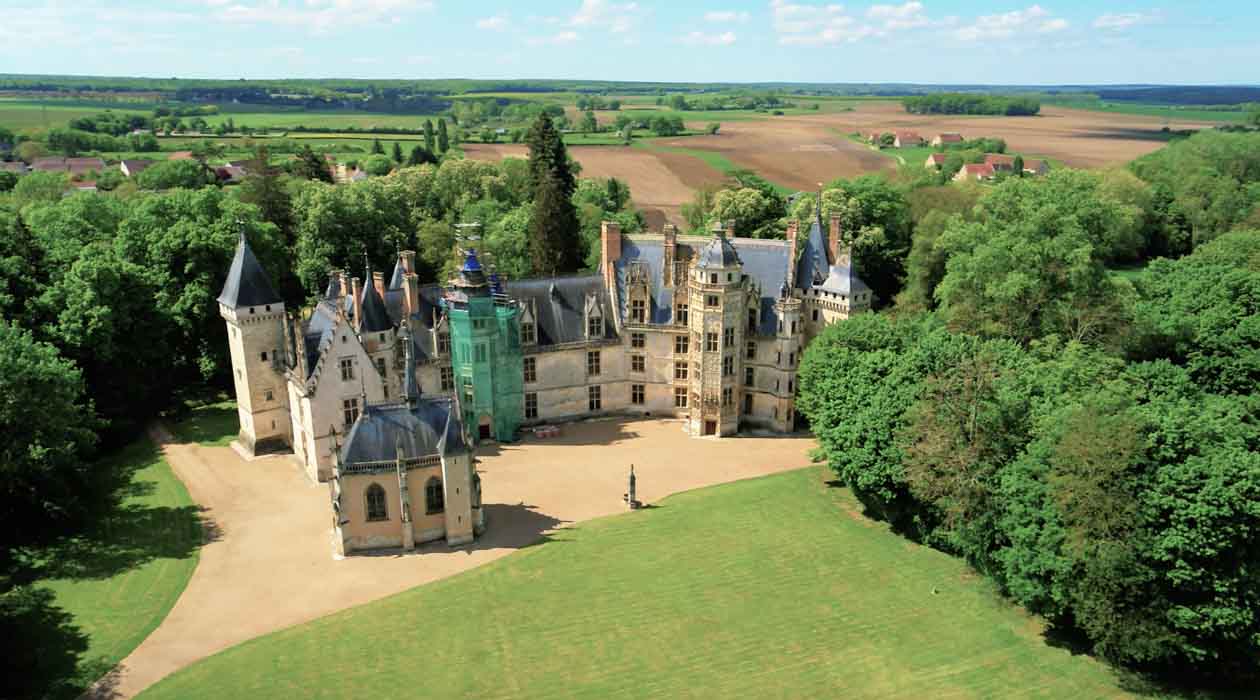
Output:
x=408 y=261
x=730 y=228
x=378 y=281
x=833 y=238
x=356 y=293
x=670 y=232
x=411 y=292
x=343 y=288
x=609 y=250
x=793 y=230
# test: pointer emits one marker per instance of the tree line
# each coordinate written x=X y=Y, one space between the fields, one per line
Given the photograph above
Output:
x=971 y=103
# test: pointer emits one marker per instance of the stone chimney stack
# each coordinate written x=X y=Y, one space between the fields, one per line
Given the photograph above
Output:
x=670 y=232
x=343 y=287
x=356 y=293
x=609 y=250
x=378 y=281
x=408 y=261
x=833 y=238
x=411 y=292
x=729 y=225
x=793 y=230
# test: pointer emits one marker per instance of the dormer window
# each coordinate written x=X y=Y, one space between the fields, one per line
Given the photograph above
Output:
x=444 y=343
x=638 y=311
x=528 y=336
x=595 y=326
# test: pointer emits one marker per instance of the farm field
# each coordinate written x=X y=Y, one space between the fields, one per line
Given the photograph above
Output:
x=118 y=582
x=1169 y=112
x=771 y=587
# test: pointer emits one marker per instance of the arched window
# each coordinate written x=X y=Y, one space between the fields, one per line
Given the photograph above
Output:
x=376 y=509
x=434 y=500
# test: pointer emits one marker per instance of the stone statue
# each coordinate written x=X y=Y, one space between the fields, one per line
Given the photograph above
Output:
x=630 y=499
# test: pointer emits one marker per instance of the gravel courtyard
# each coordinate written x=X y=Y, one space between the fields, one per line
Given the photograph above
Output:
x=270 y=563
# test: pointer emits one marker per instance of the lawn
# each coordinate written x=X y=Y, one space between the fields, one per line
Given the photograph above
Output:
x=211 y=425
x=93 y=598
x=771 y=587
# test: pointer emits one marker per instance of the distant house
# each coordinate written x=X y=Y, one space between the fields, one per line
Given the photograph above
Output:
x=229 y=174
x=51 y=164
x=181 y=155
x=942 y=139
x=906 y=139
x=975 y=171
x=16 y=166
x=936 y=160
x=132 y=167
x=81 y=166
x=1004 y=163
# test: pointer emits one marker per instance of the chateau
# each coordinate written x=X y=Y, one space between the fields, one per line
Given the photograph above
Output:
x=385 y=386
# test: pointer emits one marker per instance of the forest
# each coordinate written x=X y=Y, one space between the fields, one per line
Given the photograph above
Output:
x=969 y=103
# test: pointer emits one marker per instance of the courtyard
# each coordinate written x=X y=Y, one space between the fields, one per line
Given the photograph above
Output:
x=270 y=564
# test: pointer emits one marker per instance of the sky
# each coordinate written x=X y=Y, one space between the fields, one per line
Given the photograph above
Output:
x=934 y=41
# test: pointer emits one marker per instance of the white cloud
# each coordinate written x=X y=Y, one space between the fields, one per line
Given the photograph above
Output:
x=894 y=17
x=496 y=23
x=726 y=16
x=317 y=16
x=1034 y=19
x=565 y=37
x=615 y=17
x=800 y=24
x=702 y=39
x=1123 y=20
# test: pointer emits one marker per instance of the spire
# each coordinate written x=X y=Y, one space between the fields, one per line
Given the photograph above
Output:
x=375 y=318
x=247 y=283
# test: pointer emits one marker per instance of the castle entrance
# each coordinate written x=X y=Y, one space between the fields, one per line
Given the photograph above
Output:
x=710 y=427
x=483 y=428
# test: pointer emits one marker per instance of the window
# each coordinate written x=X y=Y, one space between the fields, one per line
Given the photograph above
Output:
x=710 y=342
x=680 y=397
x=748 y=404
x=380 y=365
x=728 y=366
x=712 y=300
x=268 y=395
x=268 y=307
x=751 y=350
x=815 y=315
x=527 y=334
x=789 y=386
x=592 y=363
x=444 y=343
x=531 y=406
x=728 y=337
x=479 y=352
x=264 y=355
x=680 y=314
x=638 y=311
x=479 y=324
x=636 y=394
x=636 y=363
x=595 y=327
x=343 y=339
x=712 y=278
x=794 y=326
x=749 y=376
x=730 y=277
x=376 y=509
x=681 y=346
x=727 y=396
x=680 y=370
x=593 y=398
x=347 y=369
x=752 y=320
x=434 y=498
x=791 y=359
x=350 y=411
x=381 y=337
x=637 y=340
x=531 y=370
x=448 y=379
x=789 y=414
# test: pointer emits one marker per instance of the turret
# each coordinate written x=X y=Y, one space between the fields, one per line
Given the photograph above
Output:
x=717 y=318
x=255 y=318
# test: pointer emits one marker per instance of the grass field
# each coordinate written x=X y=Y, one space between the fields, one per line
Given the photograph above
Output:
x=116 y=583
x=772 y=587
x=18 y=114
x=212 y=424
x=1170 y=112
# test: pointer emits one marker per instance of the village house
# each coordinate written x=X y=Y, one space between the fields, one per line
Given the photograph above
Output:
x=1004 y=163
x=133 y=167
x=708 y=329
x=975 y=171
x=935 y=160
x=17 y=167
x=948 y=138
x=906 y=139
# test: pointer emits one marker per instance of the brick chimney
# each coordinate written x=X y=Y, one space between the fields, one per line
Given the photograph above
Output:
x=378 y=281
x=343 y=286
x=356 y=293
x=411 y=292
x=793 y=230
x=833 y=238
x=609 y=250
x=670 y=232
x=408 y=261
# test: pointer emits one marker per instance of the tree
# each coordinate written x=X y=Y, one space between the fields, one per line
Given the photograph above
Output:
x=7 y=181
x=48 y=430
x=588 y=124
x=377 y=148
x=420 y=155
x=266 y=188
x=312 y=166
x=428 y=135
x=712 y=128
x=555 y=245
x=397 y=153
x=443 y=141
x=39 y=187
x=171 y=174
x=1017 y=166
x=754 y=214
x=377 y=165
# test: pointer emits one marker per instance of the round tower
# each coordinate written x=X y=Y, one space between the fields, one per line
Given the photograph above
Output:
x=717 y=313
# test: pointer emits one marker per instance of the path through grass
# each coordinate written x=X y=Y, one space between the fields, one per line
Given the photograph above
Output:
x=772 y=587
x=91 y=599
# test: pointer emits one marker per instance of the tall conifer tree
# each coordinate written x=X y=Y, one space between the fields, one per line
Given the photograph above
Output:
x=398 y=154
x=555 y=243
x=428 y=135
x=443 y=142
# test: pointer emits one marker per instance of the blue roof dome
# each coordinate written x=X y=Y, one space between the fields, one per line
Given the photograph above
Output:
x=471 y=264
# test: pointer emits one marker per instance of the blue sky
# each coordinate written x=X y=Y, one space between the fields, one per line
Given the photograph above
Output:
x=934 y=41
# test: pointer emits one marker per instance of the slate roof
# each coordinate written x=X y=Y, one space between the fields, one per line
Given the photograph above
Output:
x=765 y=263
x=430 y=427
x=649 y=252
x=813 y=265
x=375 y=318
x=247 y=284
x=319 y=331
x=843 y=279
x=559 y=304
x=396 y=279
x=718 y=253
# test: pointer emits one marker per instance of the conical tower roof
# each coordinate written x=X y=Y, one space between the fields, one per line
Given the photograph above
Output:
x=247 y=283
x=375 y=318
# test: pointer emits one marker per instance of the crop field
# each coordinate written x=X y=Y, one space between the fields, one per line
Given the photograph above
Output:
x=21 y=114
x=769 y=587
x=1169 y=112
